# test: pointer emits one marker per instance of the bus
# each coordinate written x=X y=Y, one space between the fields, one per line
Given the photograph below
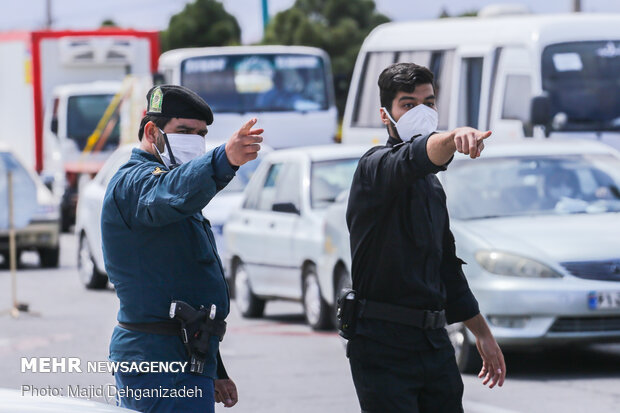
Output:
x=519 y=75
x=288 y=88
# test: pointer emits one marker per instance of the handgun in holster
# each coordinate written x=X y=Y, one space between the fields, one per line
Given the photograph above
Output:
x=347 y=313
x=197 y=327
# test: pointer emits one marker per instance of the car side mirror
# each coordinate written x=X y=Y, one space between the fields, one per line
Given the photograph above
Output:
x=158 y=79
x=287 y=207
x=54 y=125
x=540 y=110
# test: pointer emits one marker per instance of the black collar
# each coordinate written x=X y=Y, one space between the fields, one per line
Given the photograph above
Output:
x=392 y=141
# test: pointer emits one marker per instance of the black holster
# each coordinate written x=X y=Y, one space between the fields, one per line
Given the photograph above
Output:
x=347 y=313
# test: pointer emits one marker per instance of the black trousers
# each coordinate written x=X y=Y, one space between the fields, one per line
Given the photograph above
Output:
x=392 y=380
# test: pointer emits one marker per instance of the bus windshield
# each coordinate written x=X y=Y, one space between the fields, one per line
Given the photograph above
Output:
x=583 y=83
x=258 y=82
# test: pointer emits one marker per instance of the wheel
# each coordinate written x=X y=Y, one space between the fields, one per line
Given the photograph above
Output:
x=249 y=305
x=90 y=276
x=467 y=356
x=49 y=257
x=342 y=280
x=318 y=313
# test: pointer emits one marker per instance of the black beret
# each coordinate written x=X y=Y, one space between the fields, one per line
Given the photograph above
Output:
x=174 y=101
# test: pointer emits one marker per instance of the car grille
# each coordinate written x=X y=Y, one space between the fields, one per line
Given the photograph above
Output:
x=595 y=270
x=585 y=324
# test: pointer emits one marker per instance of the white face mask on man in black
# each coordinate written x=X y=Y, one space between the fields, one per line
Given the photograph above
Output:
x=420 y=120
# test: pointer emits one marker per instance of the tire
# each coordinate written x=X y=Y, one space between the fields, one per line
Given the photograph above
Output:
x=342 y=280
x=90 y=276
x=467 y=357
x=248 y=304
x=49 y=257
x=318 y=313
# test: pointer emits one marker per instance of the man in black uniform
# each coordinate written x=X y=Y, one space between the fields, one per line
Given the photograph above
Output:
x=405 y=270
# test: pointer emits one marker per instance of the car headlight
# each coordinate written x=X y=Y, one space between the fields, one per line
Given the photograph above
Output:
x=503 y=263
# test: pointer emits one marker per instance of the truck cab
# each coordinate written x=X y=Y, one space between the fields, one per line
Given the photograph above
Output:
x=74 y=145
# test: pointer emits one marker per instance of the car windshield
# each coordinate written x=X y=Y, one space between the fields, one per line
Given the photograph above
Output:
x=258 y=82
x=329 y=179
x=517 y=186
x=581 y=79
x=242 y=177
x=84 y=113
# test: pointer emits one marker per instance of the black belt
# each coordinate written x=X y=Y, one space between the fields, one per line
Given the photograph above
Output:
x=173 y=328
x=165 y=328
x=425 y=319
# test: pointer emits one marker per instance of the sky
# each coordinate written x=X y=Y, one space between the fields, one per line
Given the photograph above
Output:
x=155 y=14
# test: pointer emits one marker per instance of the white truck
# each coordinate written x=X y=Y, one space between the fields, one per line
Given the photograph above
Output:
x=521 y=75
x=61 y=99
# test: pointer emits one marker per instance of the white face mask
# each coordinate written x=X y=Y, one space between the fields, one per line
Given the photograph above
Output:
x=421 y=120
x=184 y=148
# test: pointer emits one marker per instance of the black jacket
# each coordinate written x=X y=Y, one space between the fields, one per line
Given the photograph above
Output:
x=402 y=248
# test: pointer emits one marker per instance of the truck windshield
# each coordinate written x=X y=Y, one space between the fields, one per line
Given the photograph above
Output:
x=258 y=82
x=83 y=115
x=583 y=83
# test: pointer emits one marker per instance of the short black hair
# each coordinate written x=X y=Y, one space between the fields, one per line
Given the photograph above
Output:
x=401 y=77
x=159 y=121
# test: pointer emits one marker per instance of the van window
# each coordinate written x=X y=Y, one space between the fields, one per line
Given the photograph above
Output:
x=517 y=97
x=367 y=104
x=581 y=79
x=441 y=66
x=417 y=57
x=469 y=100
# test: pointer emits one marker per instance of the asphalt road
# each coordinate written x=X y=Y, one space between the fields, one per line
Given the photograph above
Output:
x=278 y=363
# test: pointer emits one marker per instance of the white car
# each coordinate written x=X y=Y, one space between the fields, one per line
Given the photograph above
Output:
x=537 y=223
x=13 y=401
x=91 y=267
x=35 y=205
x=274 y=242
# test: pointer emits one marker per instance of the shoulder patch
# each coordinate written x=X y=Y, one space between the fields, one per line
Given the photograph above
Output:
x=158 y=171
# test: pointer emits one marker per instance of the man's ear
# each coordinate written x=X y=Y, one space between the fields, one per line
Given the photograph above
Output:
x=151 y=131
x=384 y=117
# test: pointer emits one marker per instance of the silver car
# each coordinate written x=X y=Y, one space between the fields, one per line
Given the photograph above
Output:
x=538 y=224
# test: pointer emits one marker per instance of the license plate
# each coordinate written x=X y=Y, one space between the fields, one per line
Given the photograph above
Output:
x=602 y=300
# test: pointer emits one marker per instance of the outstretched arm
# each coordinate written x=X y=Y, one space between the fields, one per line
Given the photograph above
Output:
x=441 y=146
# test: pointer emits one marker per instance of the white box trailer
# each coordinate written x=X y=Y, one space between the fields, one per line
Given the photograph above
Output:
x=35 y=72
x=517 y=75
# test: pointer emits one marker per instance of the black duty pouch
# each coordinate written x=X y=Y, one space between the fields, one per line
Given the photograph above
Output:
x=347 y=313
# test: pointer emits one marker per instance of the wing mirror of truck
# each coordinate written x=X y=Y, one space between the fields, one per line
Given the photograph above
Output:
x=287 y=207
x=54 y=125
x=540 y=110
x=158 y=79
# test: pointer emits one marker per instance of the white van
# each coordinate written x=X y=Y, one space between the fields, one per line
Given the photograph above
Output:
x=519 y=76
x=288 y=88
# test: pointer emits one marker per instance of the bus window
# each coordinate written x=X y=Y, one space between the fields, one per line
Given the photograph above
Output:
x=258 y=82
x=367 y=104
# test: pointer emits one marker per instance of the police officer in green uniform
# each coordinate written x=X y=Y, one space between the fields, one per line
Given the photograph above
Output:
x=158 y=249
